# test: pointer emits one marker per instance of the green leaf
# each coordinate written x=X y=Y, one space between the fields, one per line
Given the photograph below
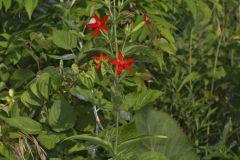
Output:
x=137 y=139
x=62 y=115
x=48 y=140
x=218 y=74
x=30 y=6
x=4 y=151
x=137 y=27
x=167 y=34
x=19 y=77
x=43 y=85
x=28 y=99
x=176 y=147
x=25 y=124
x=152 y=156
x=96 y=140
x=164 y=45
x=137 y=100
x=7 y=4
x=192 y=76
x=64 y=39
x=82 y=94
x=191 y=4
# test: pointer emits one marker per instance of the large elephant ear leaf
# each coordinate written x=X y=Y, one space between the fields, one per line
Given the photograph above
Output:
x=175 y=147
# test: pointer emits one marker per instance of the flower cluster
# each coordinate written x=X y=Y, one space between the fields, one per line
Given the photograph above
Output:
x=121 y=64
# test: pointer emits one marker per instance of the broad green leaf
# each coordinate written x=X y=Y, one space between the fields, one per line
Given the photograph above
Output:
x=64 y=39
x=176 y=147
x=96 y=140
x=25 y=124
x=6 y=152
x=35 y=91
x=30 y=6
x=19 y=77
x=29 y=99
x=7 y=4
x=62 y=115
x=137 y=100
x=48 y=140
x=82 y=94
x=43 y=84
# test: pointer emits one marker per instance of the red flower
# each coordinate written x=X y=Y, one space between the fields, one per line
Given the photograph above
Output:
x=98 y=25
x=122 y=64
x=100 y=59
x=146 y=20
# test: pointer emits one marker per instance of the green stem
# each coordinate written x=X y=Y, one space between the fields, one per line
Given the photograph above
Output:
x=116 y=136
x=215 y=63
x=190 y=59
x=115 y=26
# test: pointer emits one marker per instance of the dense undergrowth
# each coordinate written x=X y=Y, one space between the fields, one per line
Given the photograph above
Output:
x=120 y=79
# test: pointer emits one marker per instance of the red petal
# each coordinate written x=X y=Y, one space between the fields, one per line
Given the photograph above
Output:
x=104 y=27
x=96 y=32
x=119 y=70
x=120 y=57
x=106 y=57
x=95 y=58
x=128 y=68
x=104 y=20
x=101 y=54
x=98 y=66
x=114 y=62
x=129 y=60
x=96 y=18
x=92 y=25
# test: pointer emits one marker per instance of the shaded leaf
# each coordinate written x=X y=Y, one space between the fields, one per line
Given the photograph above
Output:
x=175 y=147
x=64 y=39
x=25 y=124
x=62 y=115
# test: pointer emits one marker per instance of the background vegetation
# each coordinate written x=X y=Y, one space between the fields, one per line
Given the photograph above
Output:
x=185 y=85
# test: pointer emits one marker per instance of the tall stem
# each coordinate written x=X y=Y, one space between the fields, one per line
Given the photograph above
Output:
x=190 y=58
x=215 y=63
x=115 y=26
x=116 y=136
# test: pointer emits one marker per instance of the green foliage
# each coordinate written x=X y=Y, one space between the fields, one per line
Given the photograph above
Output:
x=175 y=147
x=62 y=115
x=30 y=6
x=64 y=39
x=186 y=64
x=25 y=124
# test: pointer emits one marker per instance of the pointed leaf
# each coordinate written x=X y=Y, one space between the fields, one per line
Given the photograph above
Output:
x=25 y=124
x=62 y=115
x=103 y=143
x=175 y=147
x=64 y=39
x=30 y=6
x=43 y=85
